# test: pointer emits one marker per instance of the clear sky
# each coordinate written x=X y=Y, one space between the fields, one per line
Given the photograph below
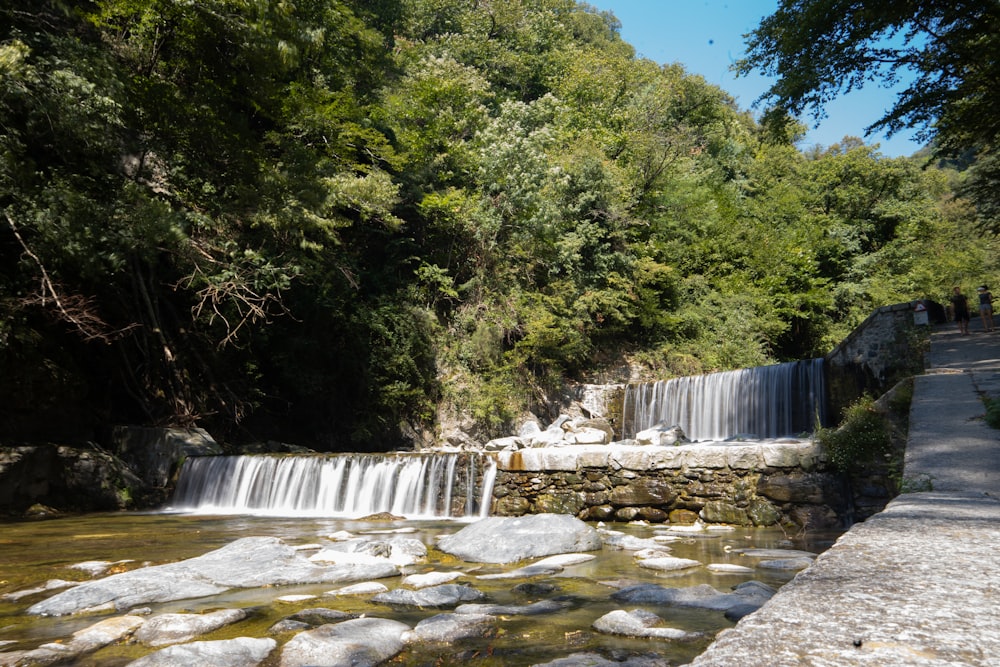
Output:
x=706 y=36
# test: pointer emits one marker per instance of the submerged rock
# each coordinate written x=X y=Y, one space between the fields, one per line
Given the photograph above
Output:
x=640 y=623
x=510 y=539
x=702 y=596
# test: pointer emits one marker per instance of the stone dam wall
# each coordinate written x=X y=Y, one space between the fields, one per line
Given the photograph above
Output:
x=758 y=484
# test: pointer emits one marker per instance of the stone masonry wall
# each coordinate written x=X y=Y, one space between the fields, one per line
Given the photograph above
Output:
x=888 y=345
x=742 y=484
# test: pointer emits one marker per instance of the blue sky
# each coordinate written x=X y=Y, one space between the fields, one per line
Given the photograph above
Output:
x=706 y=36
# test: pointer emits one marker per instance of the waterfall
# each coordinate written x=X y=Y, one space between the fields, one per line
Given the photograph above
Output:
x=763 y=402
x=414 y=485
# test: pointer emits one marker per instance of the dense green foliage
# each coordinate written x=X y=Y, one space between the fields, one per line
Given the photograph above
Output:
x=947 y=50
x=334 y=221
x=862 y=437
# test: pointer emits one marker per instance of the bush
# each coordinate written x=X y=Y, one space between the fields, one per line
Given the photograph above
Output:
x=992 y=412
x=862 y=435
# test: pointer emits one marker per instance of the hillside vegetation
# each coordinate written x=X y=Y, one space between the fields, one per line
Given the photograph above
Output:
x=331 y=222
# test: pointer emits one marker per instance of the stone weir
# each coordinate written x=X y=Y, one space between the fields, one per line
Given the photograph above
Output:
x=780 y=482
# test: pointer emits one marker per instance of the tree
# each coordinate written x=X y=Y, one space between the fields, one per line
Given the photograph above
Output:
x=819 y=49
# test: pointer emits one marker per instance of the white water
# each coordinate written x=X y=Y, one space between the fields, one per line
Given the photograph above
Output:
x=763 y=402
x=416 y=486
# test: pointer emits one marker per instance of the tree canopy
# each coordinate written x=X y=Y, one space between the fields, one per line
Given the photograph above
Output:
x=947 y=52
x=343 y=222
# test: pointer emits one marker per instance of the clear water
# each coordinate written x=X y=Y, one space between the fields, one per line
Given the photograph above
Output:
x=33 y=552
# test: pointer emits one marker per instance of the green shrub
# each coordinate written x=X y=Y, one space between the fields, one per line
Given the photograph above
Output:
x=862 y=435
x=992 y=412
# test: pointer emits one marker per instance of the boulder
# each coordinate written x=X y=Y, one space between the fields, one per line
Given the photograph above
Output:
x=661 y=435
x=453 y=627
x=361 y=642
x=239 y=652
x=510 y=539
x=156 y=454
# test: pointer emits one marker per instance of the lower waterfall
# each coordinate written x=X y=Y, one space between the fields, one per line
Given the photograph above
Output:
x=761 y=402
x=413 y=485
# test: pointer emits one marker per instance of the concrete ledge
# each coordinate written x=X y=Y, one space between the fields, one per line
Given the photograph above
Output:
x=917 y=584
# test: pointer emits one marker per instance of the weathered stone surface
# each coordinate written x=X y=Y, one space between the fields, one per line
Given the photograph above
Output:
x=445 y=595
x=510 y=539
x=645 y=491
x=702 y=596
x=430 y=579
x=718 y=511
x=640 y=623
x=596 y=660
x=560 y=502
x=157 y=453
x=64 y=478
x=166 y=629
x=669 y=563
x=362 y=642
x=453 y=627
x=245 y=563
x=796 y=487
x=762 y=513
x=239 y=652
x=533 y=609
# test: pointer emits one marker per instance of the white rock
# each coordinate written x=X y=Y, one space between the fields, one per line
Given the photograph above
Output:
x=364 y=588
x=668 y=563
x=430 y=579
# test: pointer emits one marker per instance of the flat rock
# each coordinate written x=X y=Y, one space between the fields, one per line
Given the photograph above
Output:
x=510 y=539
x=669 y=563
x=363 y=588
x=702 y=596
x=640 y=623
x=239 y=652
x=533 y=609
x=452 y=627
x=246 y=563
x=361 y=642
x=430 y=579
x=165 y=629
x=445 y=595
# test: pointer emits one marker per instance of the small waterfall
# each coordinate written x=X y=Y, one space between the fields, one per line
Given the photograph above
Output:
x=765 y=402
x=414 y=485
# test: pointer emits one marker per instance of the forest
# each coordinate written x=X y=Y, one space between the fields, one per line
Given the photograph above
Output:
x=340 y=222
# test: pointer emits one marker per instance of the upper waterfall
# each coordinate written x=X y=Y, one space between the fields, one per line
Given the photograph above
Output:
x=761 y=402
x=413 y=485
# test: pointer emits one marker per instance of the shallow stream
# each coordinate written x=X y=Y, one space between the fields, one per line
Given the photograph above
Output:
x=33 y=552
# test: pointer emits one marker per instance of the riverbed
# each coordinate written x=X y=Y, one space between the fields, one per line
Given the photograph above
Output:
x=34 y=552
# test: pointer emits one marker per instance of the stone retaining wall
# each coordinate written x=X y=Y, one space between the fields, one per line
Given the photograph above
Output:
x=743 y=484
x=887 y=346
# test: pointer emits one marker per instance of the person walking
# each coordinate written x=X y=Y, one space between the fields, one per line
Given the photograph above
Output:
x=985 y=307
x=960 y=306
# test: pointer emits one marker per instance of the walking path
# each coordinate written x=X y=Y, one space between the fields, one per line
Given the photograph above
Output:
x=919 y=583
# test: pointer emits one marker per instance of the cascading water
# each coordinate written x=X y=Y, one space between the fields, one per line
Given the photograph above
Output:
x=417 y=486
x=763 y=402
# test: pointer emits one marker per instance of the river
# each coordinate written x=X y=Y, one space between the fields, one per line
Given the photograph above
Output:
x=33 y=552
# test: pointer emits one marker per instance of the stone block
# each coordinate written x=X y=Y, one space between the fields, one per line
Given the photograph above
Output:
x=643 y=492
x=745 y=457
x=649 y=458
x=708 y=456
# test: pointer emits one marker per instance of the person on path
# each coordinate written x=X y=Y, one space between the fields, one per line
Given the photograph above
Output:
x=985 y=307
x=960 y=305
